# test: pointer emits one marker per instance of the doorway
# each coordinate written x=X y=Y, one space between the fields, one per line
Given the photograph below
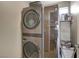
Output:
x=50 y=37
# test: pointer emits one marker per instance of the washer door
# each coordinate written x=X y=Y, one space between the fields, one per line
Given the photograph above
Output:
x=30 y=50
x=31 y=19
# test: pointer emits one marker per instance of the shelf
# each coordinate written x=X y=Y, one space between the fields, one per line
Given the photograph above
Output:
x=65 y=21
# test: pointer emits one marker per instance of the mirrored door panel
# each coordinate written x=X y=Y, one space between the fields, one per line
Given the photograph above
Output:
x=50 y=37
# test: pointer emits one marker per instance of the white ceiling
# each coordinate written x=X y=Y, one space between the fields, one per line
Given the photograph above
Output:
x=46 y=3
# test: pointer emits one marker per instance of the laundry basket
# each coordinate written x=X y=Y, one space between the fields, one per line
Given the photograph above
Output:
x=67 y=52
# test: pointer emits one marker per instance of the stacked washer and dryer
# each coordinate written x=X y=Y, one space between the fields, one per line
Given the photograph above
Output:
x=32 y=31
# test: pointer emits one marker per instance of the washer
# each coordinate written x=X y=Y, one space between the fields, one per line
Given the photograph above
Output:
x=31 y=31
x=31 y=47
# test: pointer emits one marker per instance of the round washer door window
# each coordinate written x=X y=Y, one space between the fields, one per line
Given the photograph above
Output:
x=30 y=50
x=31 y=19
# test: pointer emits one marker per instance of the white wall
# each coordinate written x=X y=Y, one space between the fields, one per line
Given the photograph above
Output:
x=75 y=14
x=10 y=29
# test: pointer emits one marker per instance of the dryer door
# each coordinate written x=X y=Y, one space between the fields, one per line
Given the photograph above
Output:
x=31 y=19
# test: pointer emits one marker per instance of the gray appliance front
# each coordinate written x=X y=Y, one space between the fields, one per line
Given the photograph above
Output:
x=31 y=32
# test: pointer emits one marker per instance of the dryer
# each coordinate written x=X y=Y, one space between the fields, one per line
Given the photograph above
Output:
x=32 y=30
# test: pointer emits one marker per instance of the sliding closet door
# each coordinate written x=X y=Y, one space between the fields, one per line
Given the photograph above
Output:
x=50 y=37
